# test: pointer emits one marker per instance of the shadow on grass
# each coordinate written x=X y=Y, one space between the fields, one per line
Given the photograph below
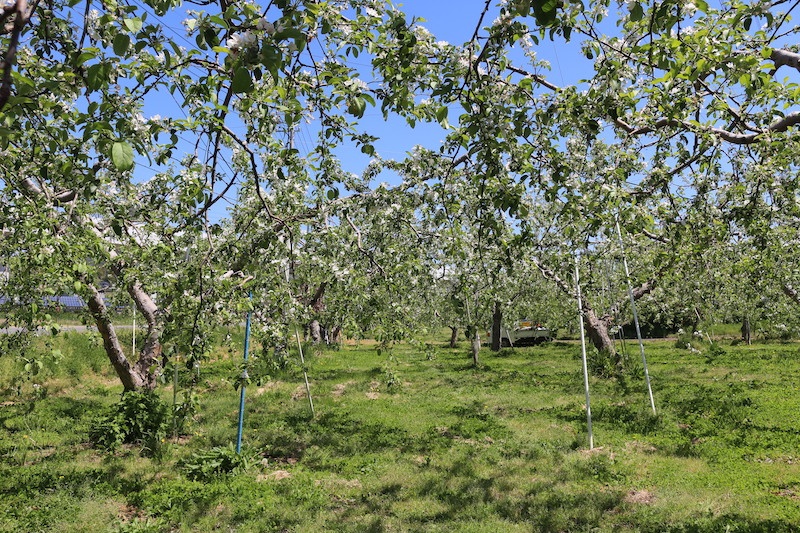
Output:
x=338 y=433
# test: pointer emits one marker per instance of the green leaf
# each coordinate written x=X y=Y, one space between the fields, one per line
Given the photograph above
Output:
x=242 y=82
x=85 y=56
x=122 y=156
x=134 y=24
x=121 y=44
x=441 y=114
x=98 y=75
x=356 y=107
x=636 y=12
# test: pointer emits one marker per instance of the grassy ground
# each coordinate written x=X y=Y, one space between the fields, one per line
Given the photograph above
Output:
x=418 y=440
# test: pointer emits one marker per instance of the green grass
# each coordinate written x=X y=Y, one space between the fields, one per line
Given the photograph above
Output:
x=422 y=442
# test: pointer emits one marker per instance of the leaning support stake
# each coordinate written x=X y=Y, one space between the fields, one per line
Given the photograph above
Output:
x=244 y=379
x=305 y=374
x=583 y=355
x=302 y=360
x=636 y=319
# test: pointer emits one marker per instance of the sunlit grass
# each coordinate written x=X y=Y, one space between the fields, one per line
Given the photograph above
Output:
x=410 y=441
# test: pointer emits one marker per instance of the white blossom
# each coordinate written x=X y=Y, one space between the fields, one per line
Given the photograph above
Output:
x=265 y=25
x=240 y=41
x=138 y=123
x=358 y=83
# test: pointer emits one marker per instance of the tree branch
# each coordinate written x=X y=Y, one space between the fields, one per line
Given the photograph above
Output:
x=23 y=15
x=792 y=293
x=361 y=247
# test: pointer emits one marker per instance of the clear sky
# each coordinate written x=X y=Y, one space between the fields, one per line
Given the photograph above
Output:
x=453 y=21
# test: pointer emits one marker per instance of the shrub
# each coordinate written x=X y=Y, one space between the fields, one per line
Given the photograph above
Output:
x=220 y=460
x=140 y=417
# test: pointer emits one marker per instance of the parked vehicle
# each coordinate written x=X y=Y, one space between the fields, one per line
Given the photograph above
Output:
x=526 y=333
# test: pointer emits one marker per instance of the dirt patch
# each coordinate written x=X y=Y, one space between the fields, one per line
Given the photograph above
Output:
x=640 y=447
x=373 y=393
x=128 y=513
x=640 y=497
x=338 y=483
x=595 y=451
x=269 y=386
x=276 y=475
x=787 y=492
x=339 y=388
x=299 y=393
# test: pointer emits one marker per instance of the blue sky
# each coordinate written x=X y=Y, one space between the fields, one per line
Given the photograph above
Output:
x=448 y=20
x=453 y=21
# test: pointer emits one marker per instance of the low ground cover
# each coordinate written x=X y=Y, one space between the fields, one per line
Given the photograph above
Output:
x=416 y=439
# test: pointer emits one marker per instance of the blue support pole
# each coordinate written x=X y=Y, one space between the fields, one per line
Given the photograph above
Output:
x=244 y=378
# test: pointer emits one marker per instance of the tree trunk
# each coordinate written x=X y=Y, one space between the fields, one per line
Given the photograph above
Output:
x=476 y=346
x=746 y=330
x=130 y=376
x=497 y=320
x=315 y=331
x=317 y=304
x=336 y=334
x=453 y=336
x=597 y=329
x=149 y=363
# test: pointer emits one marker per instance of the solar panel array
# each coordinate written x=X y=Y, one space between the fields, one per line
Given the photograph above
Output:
x=64 y=302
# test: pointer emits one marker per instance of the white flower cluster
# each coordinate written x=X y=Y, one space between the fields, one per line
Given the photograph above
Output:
x=503 y=20
x=265 y=25
x=93 y=24
x=241 y=41
x=138 y=123
x=357 y=84
x=248 y=39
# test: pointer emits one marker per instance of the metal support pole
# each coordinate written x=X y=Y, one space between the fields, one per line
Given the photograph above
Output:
x=583 y=355
x=244 y=379
x=302 y=358
x=305 y=374
x=636 y=319
x=133 y=348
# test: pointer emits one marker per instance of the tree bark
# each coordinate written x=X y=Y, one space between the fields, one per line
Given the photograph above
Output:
x=476 y=346
x=149 y=363
x=792 y=293
x=317 y=305
x=453 y=336
x=597 y=329
x=497 y=320
x=315 y=331
x=129 y=375
x=746 y=330
x=336 y=335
